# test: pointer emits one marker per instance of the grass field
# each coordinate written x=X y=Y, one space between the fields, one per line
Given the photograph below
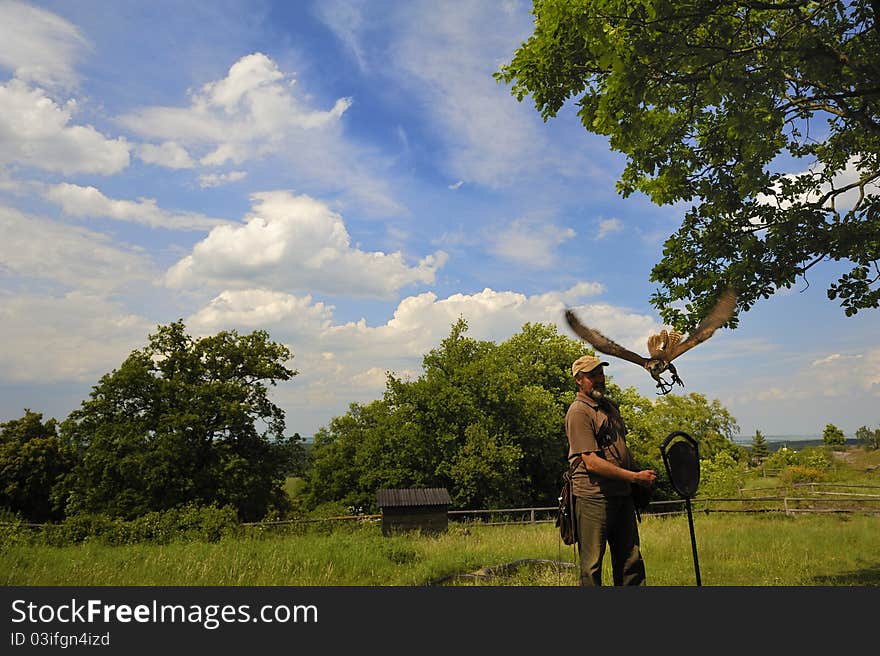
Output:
x=733 y=550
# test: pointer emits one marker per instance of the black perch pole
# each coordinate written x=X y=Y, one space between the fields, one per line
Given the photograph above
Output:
x=682 y=461
x=687 y=503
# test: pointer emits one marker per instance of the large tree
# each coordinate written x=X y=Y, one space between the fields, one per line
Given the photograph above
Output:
x=184 y=420
x=765 y=116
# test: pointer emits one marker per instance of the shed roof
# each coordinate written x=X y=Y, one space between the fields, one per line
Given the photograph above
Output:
x=426 y=496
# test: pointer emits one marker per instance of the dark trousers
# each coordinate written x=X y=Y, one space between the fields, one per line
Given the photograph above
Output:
x=610 y=520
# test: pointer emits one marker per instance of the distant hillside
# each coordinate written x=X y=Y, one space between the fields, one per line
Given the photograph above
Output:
x=795 y=442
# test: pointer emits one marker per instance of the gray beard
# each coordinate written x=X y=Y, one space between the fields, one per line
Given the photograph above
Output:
x=596 y=394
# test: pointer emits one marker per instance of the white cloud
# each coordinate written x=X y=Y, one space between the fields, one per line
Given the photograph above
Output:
x=236 y=118
x=609 y=226
x=829 y=359
x=491 y=139
x=447 y=56
x=218 y=179
x=846 y=373
x=530 y=242
x=344 y=362
x=90 y=202
x=254 y=308
x=39 y=46
x=844 y=377
x=35 y=131
x=75 y=337
x=292 y=243
x=347 y=23
x=32 y=247
x=257 y=111
x=168 y=154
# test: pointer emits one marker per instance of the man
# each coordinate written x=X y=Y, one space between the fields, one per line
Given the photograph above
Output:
x=604 y=509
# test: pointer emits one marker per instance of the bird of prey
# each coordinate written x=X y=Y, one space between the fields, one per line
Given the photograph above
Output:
x=664 y=347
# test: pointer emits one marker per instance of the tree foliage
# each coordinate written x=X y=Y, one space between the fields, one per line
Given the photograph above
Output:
x=868 y=438
x=708 y=422
x=833 y=436
x=759 y=448
x=33 y=463
x=651 y=421
x=721 y=476
x=181 y=421
x=718 y=104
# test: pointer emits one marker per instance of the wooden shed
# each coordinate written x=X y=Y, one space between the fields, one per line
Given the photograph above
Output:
x=414 y=509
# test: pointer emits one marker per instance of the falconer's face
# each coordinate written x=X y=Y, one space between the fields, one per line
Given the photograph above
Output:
x=592 y=380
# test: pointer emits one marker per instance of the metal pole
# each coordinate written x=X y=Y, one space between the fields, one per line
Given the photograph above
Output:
x=687 y=502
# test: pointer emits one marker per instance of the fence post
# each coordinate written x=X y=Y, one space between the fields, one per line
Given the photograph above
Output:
x=533 y=515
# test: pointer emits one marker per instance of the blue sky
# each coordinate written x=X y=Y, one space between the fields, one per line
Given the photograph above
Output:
x=348 y=176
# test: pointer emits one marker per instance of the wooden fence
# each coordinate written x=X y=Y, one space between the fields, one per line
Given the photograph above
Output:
x=802 y=498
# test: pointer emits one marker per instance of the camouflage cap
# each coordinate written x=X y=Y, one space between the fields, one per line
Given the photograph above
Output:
x=585 y=364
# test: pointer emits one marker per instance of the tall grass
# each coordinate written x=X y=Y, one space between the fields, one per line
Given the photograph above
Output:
x=733 y=550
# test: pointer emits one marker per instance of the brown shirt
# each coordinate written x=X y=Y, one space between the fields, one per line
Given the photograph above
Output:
x=594 y=427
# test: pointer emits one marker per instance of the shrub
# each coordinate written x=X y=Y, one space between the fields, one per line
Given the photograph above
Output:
x=722 y=476
x=814 y=458
x=801 y=474
x=185 y=523
x=781 y=458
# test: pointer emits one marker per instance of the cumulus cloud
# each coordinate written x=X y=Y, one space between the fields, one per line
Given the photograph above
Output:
x=844 y=377
x=297 y=243
x=349 y=359
x=67 y=343
x=258 y=111
x=168 y=154
x=39 y=46
x=36 y=131
x=609 y=226
x=33 y=247
x=238 y=117
x=530 y=242
x=90 y=202
x=253 y=308
x=847 y=373
x=218 y=179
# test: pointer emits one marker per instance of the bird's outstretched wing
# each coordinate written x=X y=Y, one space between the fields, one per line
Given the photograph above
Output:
x=600 y=342
x=718 y=315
